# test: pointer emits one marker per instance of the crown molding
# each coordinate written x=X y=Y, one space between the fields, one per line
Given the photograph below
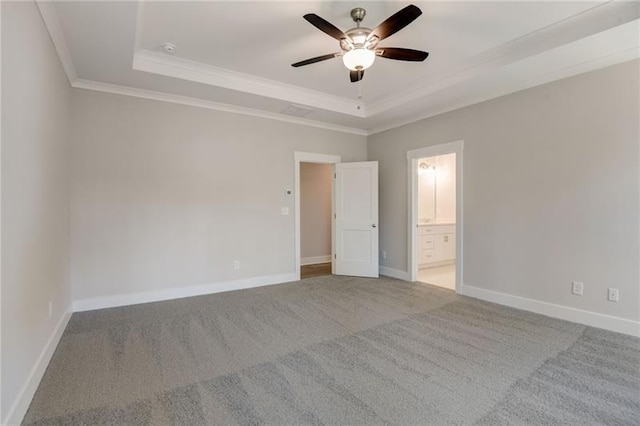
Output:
x=587 y=23
x=591 y=21
x=51 y=22
x=595 y=20
x=621 y=56
x=162 y=64
x=201 y=103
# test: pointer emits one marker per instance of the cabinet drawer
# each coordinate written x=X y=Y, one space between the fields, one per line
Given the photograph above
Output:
x=445 y=229
x=426 y=230
x=426 y=242
x=426 y=255
x=436 y=229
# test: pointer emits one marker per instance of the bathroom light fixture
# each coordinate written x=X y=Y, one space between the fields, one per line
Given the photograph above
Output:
x=426 y=166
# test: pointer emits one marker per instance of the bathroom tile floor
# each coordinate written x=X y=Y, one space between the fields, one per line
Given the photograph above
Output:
x=442 y=276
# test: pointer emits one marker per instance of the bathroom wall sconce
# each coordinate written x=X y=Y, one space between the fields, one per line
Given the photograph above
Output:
x=424 y=167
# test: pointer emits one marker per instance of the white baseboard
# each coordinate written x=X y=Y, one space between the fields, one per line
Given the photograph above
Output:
x=395 y=273
x=314 y=260
x=178 y=292
x=593 y=319
x=25 y=395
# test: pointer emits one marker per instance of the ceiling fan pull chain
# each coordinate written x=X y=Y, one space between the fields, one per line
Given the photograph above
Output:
x=360 y=88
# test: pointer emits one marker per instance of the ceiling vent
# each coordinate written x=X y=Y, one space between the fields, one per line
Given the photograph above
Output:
x=297 y=111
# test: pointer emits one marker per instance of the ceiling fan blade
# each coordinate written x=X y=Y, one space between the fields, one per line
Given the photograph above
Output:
x=325 y=26
x=402 y=54
x=356 y=75
x=396 y=22
x=316 y=59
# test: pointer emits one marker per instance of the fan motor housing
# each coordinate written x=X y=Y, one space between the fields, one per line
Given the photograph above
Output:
x=358 y=38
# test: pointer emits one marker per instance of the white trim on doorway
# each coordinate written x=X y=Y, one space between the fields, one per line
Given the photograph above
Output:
x=412 y=199
x=309 y=157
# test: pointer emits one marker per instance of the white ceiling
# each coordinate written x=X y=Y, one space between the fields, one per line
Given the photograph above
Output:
x=237 y=55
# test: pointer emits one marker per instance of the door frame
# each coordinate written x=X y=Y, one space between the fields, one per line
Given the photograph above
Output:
x=412 y=232
x=311 y=157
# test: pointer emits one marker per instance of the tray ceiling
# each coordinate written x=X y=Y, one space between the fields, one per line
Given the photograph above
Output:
x=237 y=56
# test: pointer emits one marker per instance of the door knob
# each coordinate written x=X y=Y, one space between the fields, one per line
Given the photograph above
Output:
x=373 y=226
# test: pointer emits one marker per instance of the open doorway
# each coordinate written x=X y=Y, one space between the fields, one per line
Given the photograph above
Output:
x=436 y=248
x=354 y=215
x=315 y=219
x=435 y=215
x=303 y=160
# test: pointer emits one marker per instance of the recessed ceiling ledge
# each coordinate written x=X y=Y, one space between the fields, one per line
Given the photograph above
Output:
x=157 y=63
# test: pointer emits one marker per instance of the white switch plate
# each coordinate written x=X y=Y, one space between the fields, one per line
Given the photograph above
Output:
x=284 y=211
x=577 y=288
x=236 y=264
x=612 y=295
x=384 y=254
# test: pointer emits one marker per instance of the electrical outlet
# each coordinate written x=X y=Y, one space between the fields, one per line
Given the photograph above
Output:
x=236 y=264
x=612 y=295
x=577 y=288
x=284 y=211
x=384 y=254
x=50 y=309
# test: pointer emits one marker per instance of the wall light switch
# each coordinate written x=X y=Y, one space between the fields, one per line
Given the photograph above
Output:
x=612 y=295
x=284 y=211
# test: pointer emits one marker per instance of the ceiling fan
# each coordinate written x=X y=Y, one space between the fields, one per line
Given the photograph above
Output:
x=360 y=44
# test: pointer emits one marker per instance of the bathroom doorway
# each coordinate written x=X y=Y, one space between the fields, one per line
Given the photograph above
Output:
x=435 y=237
x=436 y=250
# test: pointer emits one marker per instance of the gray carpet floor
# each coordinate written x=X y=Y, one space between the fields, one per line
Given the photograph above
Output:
x=336 y=350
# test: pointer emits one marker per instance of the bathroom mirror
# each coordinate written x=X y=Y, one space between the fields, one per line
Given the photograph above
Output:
x=437 y=189
x=427 y=191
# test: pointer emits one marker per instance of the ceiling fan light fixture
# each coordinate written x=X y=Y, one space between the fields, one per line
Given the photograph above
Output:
x=358 y=59
x=359 y=44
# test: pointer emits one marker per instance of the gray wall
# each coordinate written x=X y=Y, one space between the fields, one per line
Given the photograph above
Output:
x=35 y=194
x=315 y=209
x=551 y=189
x=168 y=196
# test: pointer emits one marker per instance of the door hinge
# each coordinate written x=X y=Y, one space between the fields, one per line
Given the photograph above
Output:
x=334 y=175
x=335 y=256
x=334 y=216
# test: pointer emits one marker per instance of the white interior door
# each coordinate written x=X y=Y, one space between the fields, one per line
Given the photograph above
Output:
x=356 y=219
